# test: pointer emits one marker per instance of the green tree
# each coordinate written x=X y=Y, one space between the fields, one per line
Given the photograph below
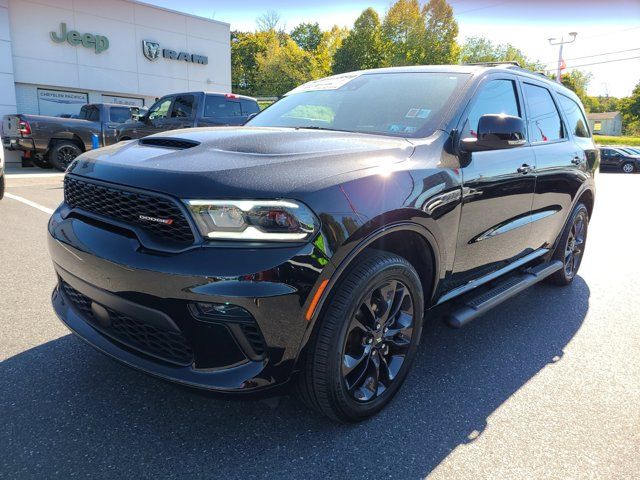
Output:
x=363 y=48
x=630 y=108
x=325 y=54
x=440 y=46
x=578 y=82
x=404 y=30
x=245 y=50
x=283 y=67
x=308 y=36
x=479 y=49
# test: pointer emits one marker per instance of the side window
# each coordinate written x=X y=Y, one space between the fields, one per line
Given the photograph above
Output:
x=249 y=107
x=160 y=109
x=119 y=114
x=575 y=117
x=182 y=107
x=544 y=120
x=495 y=97
x=215 y=106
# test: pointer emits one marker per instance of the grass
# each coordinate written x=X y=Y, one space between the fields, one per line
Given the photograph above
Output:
x=606 y=140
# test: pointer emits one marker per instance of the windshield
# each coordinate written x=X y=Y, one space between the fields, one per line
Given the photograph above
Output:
x=397 y=104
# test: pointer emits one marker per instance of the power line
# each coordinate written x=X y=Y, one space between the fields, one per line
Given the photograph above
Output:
x=596 y=55
x=479 y=8
x=605 y=61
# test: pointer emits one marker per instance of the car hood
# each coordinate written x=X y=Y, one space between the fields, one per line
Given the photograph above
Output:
x=239 y=161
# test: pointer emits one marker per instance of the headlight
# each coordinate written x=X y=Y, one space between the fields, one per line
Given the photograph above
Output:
x=253 y=220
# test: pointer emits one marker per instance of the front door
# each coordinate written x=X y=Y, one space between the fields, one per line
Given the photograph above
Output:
x=498 y=189
x=155 y=120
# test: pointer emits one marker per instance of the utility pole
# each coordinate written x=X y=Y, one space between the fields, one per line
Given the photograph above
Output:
x=554 y=41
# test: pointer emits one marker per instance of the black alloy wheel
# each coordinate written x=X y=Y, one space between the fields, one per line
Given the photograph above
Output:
x=571 y=245
x=63 y=153
x=365 y=339
x=378 y=340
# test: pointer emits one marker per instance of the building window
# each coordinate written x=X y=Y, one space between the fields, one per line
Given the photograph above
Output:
x=57 y=103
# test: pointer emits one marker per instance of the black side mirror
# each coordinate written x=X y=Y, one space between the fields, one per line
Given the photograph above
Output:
x=496 y=132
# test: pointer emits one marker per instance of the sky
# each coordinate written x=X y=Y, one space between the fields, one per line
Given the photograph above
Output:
x=608 y=27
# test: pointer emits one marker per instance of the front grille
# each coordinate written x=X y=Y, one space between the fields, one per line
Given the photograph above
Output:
x=133 y=208
x=167 y=345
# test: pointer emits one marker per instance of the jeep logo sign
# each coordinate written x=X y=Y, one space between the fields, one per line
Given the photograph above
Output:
x=151 y=50
x=99 y=43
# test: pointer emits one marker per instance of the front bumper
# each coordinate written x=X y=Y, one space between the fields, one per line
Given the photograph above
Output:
x=107 y=279
x=19 y=143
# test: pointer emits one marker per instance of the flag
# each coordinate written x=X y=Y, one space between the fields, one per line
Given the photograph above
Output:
x=563 y=66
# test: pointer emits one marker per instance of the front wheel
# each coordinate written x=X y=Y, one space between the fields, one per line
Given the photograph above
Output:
x=366 y=340
x=571 y=246
x=628 y=167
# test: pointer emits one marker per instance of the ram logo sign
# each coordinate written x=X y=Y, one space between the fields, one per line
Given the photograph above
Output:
x=152 y=51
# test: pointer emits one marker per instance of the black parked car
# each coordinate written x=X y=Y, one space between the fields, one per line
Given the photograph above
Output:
x=192 y=109
x=617 y=158
x=307 y=248
x=56 y=141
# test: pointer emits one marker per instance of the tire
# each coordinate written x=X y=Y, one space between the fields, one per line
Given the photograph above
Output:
x=573 y=238
x=1 y=186
x=628 y=167
x=332 y=380
x=62 y=153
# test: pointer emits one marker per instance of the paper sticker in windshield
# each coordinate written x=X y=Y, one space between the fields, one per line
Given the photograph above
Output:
x=412 y=112
x=423 y=113
x=329 y=83
x=395 y=128
x=410 y=129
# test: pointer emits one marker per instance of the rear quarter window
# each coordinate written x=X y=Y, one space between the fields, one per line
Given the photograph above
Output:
x=575 y=117
x=221 y=107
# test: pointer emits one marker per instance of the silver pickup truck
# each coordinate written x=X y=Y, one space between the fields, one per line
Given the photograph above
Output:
x=55 y=141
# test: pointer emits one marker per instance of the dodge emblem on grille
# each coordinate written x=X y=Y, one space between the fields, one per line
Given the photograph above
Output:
x=166 y=221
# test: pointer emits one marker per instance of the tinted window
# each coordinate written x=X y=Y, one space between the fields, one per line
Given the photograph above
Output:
x=90 y=113
x=575 y=117
x=182 y=107
x=249 y=107
x=495 y=97
x=160 y=109
x=544 y=119
x=221 y=107
x=396 y=104
x=119 y=114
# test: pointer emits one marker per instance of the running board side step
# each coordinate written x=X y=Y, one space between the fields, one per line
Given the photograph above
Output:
x=481 y=304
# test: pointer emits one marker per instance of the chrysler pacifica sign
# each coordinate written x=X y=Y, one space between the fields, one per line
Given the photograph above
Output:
x=152 y=51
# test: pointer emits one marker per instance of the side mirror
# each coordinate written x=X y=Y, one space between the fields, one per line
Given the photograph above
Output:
x=496 y=132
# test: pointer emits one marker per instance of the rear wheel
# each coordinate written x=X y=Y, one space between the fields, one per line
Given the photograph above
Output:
x=63 y=153
x=628 y=167
x=366 y=340
x=571 y=247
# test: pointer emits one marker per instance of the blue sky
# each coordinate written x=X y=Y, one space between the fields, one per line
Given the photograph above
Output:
x=603 y=26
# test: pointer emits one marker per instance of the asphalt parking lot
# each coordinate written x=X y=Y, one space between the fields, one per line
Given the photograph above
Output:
x=545 y=386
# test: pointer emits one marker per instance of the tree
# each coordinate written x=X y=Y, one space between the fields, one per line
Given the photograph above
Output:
x=245 y=50
x=269 y=21
x=363 y=48
x=630 y=108
x=578 y=82
x=440 y=46
x=308 y=36
x=283 y=67
x=325 y=54
x=479 y=49
x=403 y=30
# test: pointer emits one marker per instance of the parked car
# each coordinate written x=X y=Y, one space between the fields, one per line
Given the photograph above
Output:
x=56 y=141
x=619 y=159
x=630 y=150
x=302 y=249
x=192 y=109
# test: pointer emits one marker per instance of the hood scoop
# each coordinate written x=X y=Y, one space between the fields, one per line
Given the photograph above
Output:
x=168 y=142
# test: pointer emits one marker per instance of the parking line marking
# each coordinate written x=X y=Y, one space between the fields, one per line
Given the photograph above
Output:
x=29 y=202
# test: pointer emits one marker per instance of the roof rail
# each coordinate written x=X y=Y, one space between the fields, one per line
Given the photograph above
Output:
x=494 y=64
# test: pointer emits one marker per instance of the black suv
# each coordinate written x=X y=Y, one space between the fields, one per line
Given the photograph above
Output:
x=618 y=158
x=191 y=109
x=307 y=248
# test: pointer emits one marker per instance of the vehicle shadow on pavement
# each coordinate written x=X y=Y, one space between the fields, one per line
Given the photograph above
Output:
x=68 y=410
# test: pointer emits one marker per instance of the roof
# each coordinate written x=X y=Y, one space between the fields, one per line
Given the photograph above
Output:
x=602 y=116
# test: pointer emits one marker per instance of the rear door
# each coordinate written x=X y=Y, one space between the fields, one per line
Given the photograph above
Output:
x=497 y=190
x=561 y=162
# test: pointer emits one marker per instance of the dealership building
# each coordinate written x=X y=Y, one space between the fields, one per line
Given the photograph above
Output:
x=56 y=55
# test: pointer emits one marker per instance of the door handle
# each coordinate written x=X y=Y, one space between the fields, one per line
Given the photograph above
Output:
x=524 y=169
x=576 y=160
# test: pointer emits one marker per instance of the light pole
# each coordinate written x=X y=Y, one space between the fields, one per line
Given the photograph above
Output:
x=554 y=41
